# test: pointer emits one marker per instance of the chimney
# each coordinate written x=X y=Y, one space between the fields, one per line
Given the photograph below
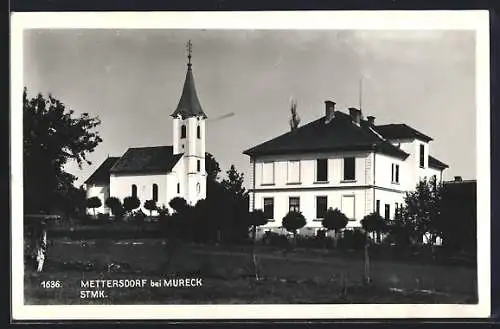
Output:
x=371 y=120
x=458 y=178
x=355 y=115
x=329 y=111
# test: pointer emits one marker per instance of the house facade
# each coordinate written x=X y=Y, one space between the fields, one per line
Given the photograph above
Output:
x=339 y=161
x=160 y=173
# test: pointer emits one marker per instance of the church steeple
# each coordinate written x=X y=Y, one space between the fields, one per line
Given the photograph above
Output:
x=189 y=104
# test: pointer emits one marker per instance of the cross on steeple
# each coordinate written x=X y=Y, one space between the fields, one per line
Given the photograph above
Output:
x=189 y=47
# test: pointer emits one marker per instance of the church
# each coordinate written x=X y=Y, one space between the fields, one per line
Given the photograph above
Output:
x=160 y=173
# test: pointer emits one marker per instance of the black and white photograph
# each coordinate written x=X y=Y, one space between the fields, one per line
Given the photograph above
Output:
x=250 y=165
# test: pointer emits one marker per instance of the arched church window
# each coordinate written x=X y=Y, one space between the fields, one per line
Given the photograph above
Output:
x=198 y=165
x=183 y=131
x=134 y=190
x=198 y=132
x=198 y=188
x=178 y=188
x=155 y=192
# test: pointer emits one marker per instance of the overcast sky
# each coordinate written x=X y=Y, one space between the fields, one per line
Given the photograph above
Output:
x=132 y=80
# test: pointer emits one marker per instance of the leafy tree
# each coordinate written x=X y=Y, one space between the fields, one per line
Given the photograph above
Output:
x=256 y=218
x=374 y=223
x=293 y=221
x=234 y=183
x=150 y=205
x=53 y=137
x=334 y=220
x=400 y=231
x=212 y=167
x=130 y=203
x=94 y=202
x=116 y=206
x=422 y=209
x=179 y=205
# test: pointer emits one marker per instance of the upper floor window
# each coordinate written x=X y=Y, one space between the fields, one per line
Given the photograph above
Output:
x=268 y=173
x=134 y=190
x=294 y=204
x=198 y=132
x=422 y=156
x=349 y=169
x=155 y=192
x=294 y=171
x=321 y=206
x=321 y=170
x=269 y=208
x=183 y=131
x=395 y=173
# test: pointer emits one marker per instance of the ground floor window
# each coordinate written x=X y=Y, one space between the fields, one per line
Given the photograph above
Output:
x=378 y=206
x=387 y=211
x=269 y=208
x=321 y=206
x=294 y=204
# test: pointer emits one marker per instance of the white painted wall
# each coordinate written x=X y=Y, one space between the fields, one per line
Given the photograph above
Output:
x=100 y=191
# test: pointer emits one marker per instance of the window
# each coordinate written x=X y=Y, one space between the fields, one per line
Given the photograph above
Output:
x=387 y=211
x=198 y=165
x=183 y=131
x=321 y=206
x=178 y=188
x=269 y=208
x=198 y=188
x=134 y=190
x=321 y=170
x=349 y=169
x=268 y=173
x=395 y=173
x=198 y=132
x=294 y=171
x=347 y=206
x=378 y=206
x=155 y=192
x=293 y=204
x=422 y=155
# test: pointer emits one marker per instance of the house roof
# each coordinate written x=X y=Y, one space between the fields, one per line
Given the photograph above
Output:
x=400 y=130
x=340 y=134
x=101 y=175
x=157 y=159
x=435 y=163
x=189 y=104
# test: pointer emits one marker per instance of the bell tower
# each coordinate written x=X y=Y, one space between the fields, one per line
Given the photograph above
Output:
x=189 y=131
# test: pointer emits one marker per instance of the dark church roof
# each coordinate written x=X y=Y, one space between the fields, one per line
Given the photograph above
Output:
x=157 y=159
x=400 y=130
x=435 y=163
x=340 y=134
x=101 y=175
x=189 y=104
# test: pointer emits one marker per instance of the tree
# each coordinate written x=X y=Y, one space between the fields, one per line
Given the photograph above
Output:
x=94 y=202
x=234 y=183
x=293 y=221
x=150 y=205
x=52 y=138
x=116 y=206
x=374 y=223
x=212 y=167
x=179 y=205
x=130 y=203
x=334 y=220
x=422 y=209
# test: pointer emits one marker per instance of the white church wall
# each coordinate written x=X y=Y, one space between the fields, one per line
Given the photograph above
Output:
x=102 y=192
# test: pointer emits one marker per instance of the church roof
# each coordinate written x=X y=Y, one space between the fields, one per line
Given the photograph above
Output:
x=340 y=134
x=157 y=159
x=189 y=104
x=101 y=175
x=400 y=130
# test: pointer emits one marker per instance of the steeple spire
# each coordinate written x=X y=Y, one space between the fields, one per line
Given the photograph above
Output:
x=189 y=104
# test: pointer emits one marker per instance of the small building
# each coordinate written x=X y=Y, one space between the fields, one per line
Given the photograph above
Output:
x=160 y=173
x=340 y=160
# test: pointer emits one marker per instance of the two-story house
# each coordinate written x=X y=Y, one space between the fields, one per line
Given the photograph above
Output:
x=339 y=161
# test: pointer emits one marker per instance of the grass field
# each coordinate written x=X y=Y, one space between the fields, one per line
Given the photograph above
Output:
x=297 y=276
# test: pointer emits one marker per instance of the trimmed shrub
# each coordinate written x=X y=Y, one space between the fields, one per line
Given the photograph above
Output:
x=352 y=239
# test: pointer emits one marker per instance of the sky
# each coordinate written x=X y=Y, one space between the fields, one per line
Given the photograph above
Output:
x=132 y=80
